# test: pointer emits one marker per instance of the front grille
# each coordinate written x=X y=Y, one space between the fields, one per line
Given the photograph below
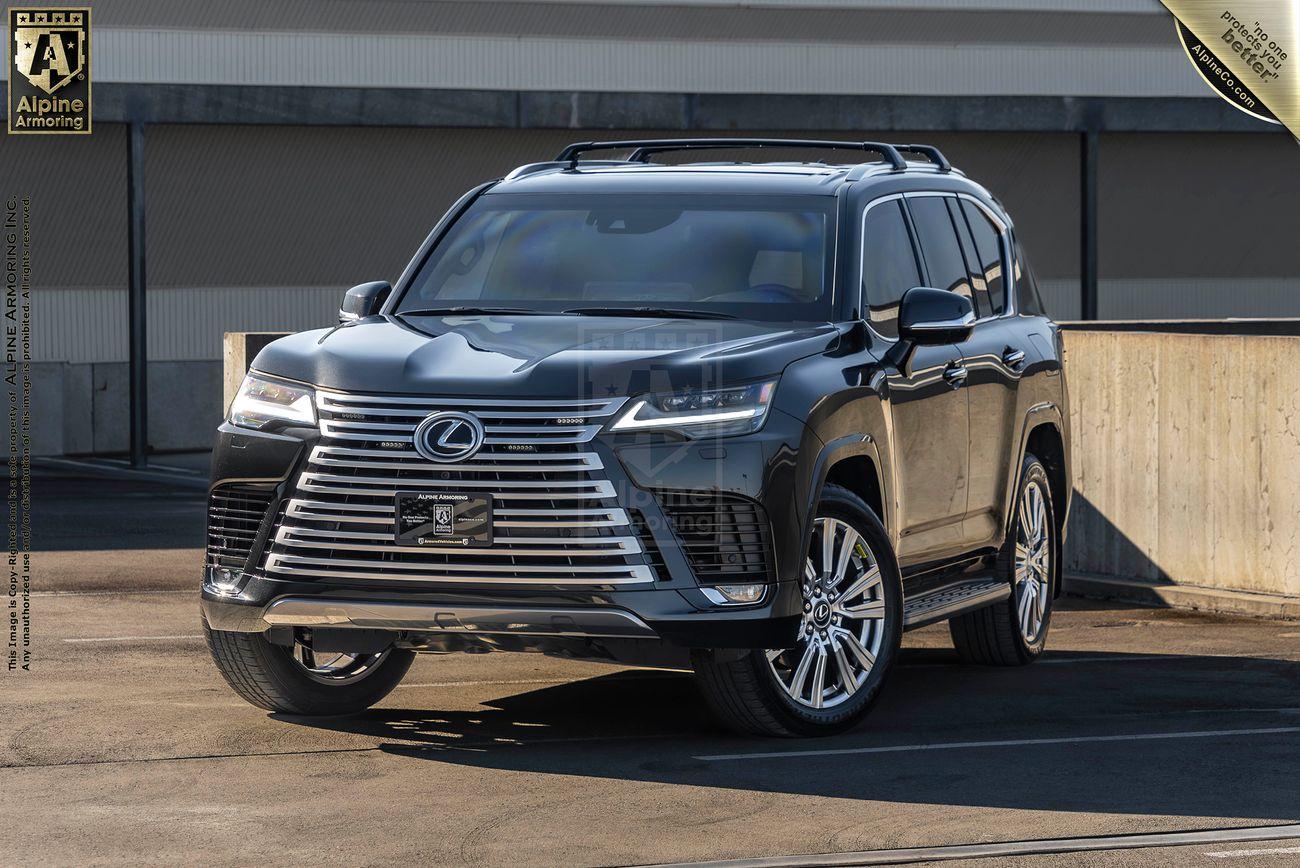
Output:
x=725 y=537
x=555 y=517
x=235 y=512
x=654 y=557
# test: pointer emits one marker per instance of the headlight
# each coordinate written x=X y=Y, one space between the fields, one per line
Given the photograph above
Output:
x=718 y=413
x=261 y=401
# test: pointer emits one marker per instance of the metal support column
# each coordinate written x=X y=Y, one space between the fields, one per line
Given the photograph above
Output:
x=136 y=316
x=1088 y=224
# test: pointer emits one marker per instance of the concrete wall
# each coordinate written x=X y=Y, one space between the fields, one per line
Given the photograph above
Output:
x=81 y=409
x=1186 y=458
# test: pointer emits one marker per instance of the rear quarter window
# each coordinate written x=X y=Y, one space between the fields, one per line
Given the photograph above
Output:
x=1027 y=298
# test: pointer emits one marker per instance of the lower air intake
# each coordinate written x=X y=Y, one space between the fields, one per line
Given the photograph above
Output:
x=725 y=537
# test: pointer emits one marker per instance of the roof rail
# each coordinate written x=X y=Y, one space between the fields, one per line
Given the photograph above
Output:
x=643 y=148
x=533 y=168
x=935 y=155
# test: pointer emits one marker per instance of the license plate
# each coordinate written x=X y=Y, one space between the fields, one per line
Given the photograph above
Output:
x=438 y=519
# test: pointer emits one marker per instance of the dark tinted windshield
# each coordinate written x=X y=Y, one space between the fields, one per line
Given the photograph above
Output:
x=753 y=257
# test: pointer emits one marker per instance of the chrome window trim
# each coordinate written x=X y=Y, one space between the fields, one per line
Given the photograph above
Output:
x=862 y=259
x=1009 y=307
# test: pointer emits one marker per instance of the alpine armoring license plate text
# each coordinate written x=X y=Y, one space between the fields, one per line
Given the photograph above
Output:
x=443 y=519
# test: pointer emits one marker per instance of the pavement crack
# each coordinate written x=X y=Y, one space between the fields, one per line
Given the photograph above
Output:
x=190 y=757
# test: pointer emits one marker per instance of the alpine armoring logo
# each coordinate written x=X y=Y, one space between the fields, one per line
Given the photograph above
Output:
x=49 y=70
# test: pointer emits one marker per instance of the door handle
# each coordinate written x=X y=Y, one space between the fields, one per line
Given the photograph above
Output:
x=1013 y=357
x=955 y=374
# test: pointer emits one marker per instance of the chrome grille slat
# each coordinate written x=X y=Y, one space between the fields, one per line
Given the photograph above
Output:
x=347 y=401
x=338 y=523
x=418 y=414
x=479 y=462
x=512 y=551
x=380 y=513
x=476 y=573
x=582 y=467
x=390 y=491
x=583 y=487
x=402 y=434
x=584 y=545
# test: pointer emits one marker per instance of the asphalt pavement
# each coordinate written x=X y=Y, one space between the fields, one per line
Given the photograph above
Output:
x=125 y=746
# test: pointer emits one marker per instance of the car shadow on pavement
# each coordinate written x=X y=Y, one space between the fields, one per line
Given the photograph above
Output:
x=653 y=727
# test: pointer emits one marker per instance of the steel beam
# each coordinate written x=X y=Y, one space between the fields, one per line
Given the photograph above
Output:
x=1088 y=224
x=117 y=102
x=137 y=318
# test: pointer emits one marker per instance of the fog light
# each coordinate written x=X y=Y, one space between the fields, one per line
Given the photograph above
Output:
x=225 y=580
x=740 y=593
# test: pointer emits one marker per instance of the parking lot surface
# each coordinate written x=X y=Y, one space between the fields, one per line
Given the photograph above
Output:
x=125 y=746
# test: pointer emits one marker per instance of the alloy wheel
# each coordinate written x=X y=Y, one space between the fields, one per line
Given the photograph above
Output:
x=843 y=623
x=334 y=667
x=1033 y=562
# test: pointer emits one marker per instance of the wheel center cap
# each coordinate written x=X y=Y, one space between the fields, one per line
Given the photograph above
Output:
x=821 y=614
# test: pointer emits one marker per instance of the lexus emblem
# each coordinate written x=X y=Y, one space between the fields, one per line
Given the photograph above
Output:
x=448 y=436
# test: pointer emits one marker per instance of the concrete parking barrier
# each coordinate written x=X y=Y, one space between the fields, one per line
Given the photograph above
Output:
x=1187 y=463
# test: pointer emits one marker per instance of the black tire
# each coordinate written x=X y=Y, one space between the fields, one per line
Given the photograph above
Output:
x=992 y=636
x=265 y=675
x=744 y=694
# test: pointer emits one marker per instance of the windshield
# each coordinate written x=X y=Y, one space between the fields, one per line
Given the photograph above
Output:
x=751 y=257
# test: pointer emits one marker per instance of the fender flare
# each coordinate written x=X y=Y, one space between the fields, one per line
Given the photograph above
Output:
x=1045 y=412
x=849 y=446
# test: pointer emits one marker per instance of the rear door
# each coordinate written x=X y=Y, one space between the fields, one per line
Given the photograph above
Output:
x=994 y=356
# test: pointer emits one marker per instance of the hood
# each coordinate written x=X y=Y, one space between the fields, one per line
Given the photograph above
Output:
x=540 y=356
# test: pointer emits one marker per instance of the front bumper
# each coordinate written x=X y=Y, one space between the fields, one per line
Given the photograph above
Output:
x=672 y=610
x=665 y=615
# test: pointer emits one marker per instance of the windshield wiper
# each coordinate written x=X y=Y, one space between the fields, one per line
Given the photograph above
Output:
x=468 y=309
x=671 y=312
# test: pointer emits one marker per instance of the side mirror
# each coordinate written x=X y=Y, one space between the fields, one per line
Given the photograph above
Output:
x=363 y=300
x=934 y=316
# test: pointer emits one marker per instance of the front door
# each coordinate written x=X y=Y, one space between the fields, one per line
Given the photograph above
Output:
x=930 y=435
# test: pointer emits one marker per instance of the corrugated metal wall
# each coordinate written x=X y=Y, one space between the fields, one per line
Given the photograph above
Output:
x=646 y=65
x=263 y=227
x=254 y=228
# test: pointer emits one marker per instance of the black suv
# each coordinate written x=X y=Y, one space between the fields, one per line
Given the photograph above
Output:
x=751 y=419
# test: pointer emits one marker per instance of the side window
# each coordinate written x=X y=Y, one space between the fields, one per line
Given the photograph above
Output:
x=988 y=246
x=973 y=268
x=888 y=265
x=1027 y=297
x=938 y=237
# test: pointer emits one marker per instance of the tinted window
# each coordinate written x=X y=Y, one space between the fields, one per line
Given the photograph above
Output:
x=888 y=265
x=943 y=258
x=973 y=269
x=1027 y=297
x=754 y=257
x=989 y=250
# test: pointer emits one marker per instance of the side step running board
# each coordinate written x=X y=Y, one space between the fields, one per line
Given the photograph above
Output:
x=943 y=603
